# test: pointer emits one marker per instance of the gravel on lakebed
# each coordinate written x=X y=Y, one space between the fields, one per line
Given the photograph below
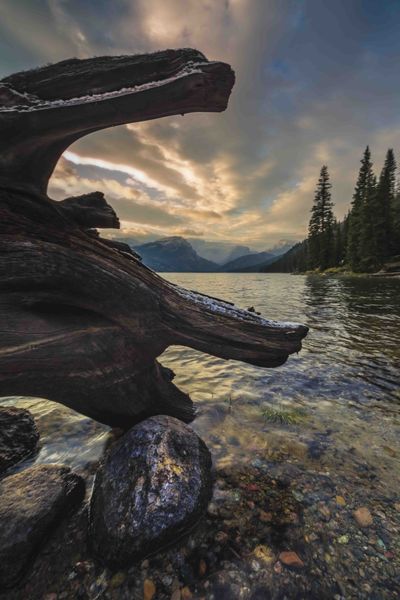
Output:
x=273 y=530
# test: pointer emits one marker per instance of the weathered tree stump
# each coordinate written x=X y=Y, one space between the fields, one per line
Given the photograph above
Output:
x=82 y=320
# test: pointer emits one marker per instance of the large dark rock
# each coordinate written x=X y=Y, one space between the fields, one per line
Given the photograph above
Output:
x=18 y=435
x=151 y=488
x=31 y=503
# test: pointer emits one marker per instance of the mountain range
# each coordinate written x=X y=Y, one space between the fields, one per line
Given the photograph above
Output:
x=177 y=254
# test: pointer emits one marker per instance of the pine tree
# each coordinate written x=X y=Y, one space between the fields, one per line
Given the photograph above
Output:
x=368 y=238
x=396 y=221
x=340 y=242
x=384 y=202
x=361 y=214
x=321 y=227
x=346 y=225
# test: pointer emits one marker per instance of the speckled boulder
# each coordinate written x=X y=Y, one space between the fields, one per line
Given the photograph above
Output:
x=152 y=487
x=31 y=503
x=18 y=435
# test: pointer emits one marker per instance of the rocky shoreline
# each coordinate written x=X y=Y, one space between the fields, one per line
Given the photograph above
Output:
x=274 y=529
x=151 y=487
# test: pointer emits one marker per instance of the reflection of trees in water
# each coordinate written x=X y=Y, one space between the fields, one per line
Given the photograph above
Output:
x=356 y=322
x=324 y=307
x=373 y=313
x=359 y=304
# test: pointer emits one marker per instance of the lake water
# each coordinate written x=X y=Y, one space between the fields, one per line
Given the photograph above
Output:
x=327 y=422
x=345 y=383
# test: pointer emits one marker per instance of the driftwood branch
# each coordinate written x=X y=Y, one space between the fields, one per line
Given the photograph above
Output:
x=82 y=320
x=89 y=210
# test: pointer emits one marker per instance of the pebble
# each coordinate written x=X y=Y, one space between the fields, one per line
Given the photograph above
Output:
x=265 y=517
x=363 y=516
x=340 y=501
x=221 y=537
x=186 y=594
x=167 y=580
x=343 y=539
x=255 y=565
x=324 y=510
x=263 y=553
x=252 y=487
x=291 y=559
x=278 y=567
x=149 y=589
x=176 y=595
x=117 y=580
x=82 y=567
x=202 y=568
x=176 y=584
x=297 y=496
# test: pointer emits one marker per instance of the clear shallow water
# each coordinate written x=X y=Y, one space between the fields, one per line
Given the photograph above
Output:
x=342 y=388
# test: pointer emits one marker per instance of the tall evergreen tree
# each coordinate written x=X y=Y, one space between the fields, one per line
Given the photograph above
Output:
x=321 y=227
x=396 y=221
x=346 y=225
x=368 y=239
x=384 y=202
x=360 y=215
x=340 y=242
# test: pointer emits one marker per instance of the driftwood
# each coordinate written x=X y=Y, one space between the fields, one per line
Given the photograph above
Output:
x=82 y=320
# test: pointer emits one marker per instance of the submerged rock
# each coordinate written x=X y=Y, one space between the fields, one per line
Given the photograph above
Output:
x=31 y=502
x=291 y=559
x=363 y=517
x=18 y=435
x=151 y=488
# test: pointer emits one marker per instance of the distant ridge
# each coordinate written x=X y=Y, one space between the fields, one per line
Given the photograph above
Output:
x=248 y=261
x=174 y=255
x=219 y=252
x=290 y=262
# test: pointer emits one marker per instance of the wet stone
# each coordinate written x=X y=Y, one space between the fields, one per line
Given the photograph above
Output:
x=363 y=517
x=151 y=488
x=291 y=559
x=19 y=436
x=149 y=589
x=32 y=502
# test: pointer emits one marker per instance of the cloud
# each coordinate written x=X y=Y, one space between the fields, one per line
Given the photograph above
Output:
x=315 y=84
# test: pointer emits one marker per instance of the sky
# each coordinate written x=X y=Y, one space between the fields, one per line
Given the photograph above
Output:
x=316 y=81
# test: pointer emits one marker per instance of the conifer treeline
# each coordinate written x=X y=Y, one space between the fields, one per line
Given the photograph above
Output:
x=367 y=237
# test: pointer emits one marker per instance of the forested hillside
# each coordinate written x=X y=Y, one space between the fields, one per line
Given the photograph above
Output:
x=366 y=239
